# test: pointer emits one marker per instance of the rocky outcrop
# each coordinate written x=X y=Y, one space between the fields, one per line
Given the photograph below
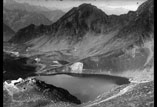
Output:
x=33 y=92
x=77 y=67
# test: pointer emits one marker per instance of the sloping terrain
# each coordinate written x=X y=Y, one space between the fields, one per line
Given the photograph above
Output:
x=101 y=42
x=88 y=31
x=7 y=32
x=105 y=44
x=35 y=93
x=15 y=67
x=75 y=28
x=135 y=95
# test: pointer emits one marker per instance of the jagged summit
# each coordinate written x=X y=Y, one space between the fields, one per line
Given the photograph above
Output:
x=83 y=17
x=87 y=18
x=75 y=23
x=84 y=10
x=142 y=25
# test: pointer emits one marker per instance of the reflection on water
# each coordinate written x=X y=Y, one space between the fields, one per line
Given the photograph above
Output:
x=85 y=88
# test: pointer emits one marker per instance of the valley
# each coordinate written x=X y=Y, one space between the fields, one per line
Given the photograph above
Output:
x=85 y=58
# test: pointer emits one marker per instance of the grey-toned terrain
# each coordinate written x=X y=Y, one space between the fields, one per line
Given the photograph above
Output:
x=116 y=46
x=7 y=32
x=19 y=15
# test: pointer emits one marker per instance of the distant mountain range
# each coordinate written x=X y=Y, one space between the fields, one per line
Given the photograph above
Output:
x=18 y=19
x=52 y=15
x=19 y=15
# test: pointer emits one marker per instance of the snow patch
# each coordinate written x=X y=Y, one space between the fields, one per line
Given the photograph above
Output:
x=77 y=67
x=37 y=60
x=11 y=87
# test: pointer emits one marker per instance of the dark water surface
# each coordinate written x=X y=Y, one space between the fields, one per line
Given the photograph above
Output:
x=85 y=87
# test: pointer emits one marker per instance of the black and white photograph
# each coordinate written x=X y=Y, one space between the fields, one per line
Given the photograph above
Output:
x=78 y=53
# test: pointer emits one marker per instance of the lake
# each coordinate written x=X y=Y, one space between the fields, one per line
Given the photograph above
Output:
x=86 y=87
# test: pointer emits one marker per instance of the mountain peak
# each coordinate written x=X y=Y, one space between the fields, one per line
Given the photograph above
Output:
x=85 y=10
x=77 y=22
x=85 y=16
x=74 y=24
x=87 y=6
x=145 y=7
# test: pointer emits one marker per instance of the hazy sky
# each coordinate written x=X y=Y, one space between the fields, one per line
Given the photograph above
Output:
x=109 y=5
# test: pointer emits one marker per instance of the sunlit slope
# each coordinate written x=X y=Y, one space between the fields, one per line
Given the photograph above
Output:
x=104 y=43
x=35 y=93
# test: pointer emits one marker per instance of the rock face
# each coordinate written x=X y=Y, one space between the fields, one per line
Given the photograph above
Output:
x=77 y=67
x=129 y=50
x=35 y=93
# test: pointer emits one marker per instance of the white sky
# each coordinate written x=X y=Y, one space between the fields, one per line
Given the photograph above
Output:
x=66 y=5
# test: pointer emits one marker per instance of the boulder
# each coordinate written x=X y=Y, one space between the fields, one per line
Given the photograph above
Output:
x=77 y=67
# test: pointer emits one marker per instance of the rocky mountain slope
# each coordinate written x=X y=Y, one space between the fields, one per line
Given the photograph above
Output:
x=105 y=44
x=35 y=93
x=133 y=95
x=88 y=31
x=7 y=32
x=73 y=26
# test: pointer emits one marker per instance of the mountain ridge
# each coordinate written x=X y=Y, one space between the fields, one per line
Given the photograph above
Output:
x=88 y=30
x=80 y=20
